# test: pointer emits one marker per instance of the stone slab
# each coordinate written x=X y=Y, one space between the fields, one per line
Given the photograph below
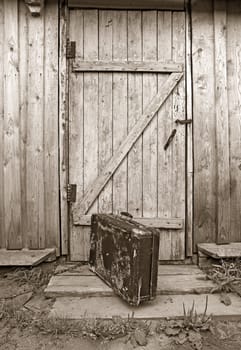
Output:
x=163 y=306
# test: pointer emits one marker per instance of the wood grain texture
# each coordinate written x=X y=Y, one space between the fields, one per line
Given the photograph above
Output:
x=125 y=4
x=222 y=123
x=23 y=88
x=149 y=23
x=179 y=142
x=189 y=137
x=204 y=115
x=134 y=112
x=2 y=225
x=25 y=257
x=92 y=192
x=78 y=235
x=105 y=122
x=234 y=102
x=63 y=135
x=51 y=167
x=35 y=138
x=12 y=189
x=133 y=66
x=120 y=121
x=171 y=223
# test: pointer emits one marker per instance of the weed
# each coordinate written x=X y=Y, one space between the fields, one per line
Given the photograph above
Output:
x=227 y=276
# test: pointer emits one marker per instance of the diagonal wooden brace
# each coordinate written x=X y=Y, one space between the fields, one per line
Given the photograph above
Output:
x=94 y=189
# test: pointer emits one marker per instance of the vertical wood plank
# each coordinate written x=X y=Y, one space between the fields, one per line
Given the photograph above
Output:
x=51 y=169
x=35 y=154
x=204 y=116
x=134 y=111
x=79 y=235
x=2 y=226
x=90 y=101
x=234 y=102
x=179 y=142
x=119 y=108
x=12 y=192
x=105 y=107
x=189 y=157
x=23 y=77
x=222 y=123
x=165 y=126
x=63 y=123
x=149 y=22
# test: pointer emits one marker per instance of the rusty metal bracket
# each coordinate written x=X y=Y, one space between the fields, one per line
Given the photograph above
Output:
x=35 y=7
x=70 y=49
x=170 y=138
x=183 y=121
x=71 y=193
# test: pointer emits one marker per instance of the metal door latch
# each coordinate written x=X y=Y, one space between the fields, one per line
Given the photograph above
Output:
x=183 y=121
x=170 y=138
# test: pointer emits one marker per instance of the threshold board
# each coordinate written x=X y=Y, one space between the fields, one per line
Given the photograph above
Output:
x=25 y=257
x=221 y=251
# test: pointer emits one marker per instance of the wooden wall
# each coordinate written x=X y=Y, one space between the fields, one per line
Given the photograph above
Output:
x=29 y=180
x=216 y=59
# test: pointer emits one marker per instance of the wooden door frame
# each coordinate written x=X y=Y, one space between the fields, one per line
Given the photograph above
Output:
x=64 y=132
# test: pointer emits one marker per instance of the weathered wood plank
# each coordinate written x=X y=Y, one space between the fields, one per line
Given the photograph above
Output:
x=92 y=192
x=204 y=115
x=12 y=178
x=35 y=156
x=140 y=4
x=105 y=108
x=130 y=66
x=93 y=286
x=24 y=257
x=179 y=142
x=23 y=83
x=169 y=223
x=78 y=235
x=162 y=308
x=165 y=126
x=232 y=250
x=222 y=123
x=119 y=110
x=90 y=91
x=163 y=270
x=51 y=127
x=2 y=225
x=134 y=112
x=149 y=28
x=63 y=122
x=189 y=156
x=234 y=103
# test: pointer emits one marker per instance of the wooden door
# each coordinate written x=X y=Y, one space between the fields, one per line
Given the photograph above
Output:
x=126 y=90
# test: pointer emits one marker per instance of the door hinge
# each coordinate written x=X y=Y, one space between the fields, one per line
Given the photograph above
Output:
x=183 y=121
x=70 y=49
x=71 y=193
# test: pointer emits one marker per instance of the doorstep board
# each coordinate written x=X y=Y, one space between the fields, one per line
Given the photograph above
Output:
x=220 y=251
x=25 y=257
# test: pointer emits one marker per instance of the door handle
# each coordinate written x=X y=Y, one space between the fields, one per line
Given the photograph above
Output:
x=183 y=121
x=170 y=138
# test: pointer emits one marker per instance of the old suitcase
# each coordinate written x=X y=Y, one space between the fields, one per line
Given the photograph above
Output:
x=124 y=254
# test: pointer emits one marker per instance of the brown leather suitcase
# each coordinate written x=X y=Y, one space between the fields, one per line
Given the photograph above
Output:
x=124 y=254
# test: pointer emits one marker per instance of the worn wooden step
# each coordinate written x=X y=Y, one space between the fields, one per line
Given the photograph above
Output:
x=163 y=306
x=25 y=257
x=221 y=251
x=85 y=283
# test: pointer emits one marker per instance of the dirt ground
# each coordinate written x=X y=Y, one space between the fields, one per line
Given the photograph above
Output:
x=24 y=323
